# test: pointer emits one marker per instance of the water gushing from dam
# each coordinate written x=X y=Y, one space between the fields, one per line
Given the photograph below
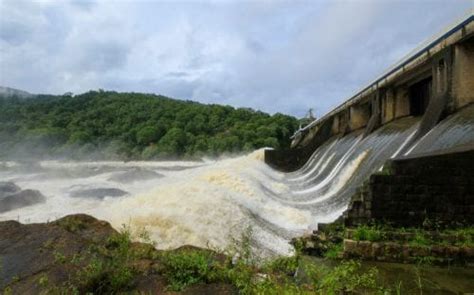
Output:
x=209 y=203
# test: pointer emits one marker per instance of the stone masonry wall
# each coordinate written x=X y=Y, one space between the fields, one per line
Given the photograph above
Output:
x=436 y=187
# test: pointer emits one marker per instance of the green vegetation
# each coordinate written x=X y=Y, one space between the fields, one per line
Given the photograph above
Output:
x=134 y=126
x=334 y=251
x=112 y=268
x=186 y=268
x=462 y=236
x=345 y=278
x=368 y=233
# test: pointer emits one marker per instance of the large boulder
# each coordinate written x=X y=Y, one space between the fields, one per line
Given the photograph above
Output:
x=47 y=258
x=7 y=187
x=137 y=174
x=12 y=197
x=30 y=249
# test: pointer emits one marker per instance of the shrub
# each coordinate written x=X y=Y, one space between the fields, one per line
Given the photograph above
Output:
x=334 y=251
x=346 y=278
x=186 y=268
x=368 y=233
x=112 y=274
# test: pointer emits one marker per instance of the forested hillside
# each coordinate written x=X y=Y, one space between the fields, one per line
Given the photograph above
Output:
x=133 y=126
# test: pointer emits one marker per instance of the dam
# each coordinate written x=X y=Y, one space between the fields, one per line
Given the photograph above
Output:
x=422 y=105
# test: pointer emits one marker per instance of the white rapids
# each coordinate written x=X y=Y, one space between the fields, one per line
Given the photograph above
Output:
x=212 y=203
x=202 y=204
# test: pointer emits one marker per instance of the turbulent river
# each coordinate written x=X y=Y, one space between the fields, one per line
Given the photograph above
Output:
x=210 y=203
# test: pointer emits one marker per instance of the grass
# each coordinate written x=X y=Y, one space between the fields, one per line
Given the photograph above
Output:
x=465 y=236
x=369 y=233
x=102 y=269
x=420 y=240
x=72 y=224
x=420 y=237
x=334 y=251
x=104 y=276
x=346 y=278
x=186 y=268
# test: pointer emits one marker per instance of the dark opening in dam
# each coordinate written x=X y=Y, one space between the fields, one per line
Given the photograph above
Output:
x=420 y=94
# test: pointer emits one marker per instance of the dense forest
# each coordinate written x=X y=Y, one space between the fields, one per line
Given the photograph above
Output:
x=106 y=124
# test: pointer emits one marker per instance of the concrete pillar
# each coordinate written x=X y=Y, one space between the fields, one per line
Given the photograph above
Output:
x=345 y=117
x=402 y=102
x=375 y=117
x=340 y=122
x=441 y=72
x=388 y=106
x=335 y=125
x=359 y=115
x=463 y=73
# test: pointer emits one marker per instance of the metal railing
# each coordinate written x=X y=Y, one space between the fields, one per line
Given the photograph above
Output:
x=413 y=55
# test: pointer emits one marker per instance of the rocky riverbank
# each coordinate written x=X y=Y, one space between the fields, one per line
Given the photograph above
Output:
x=450 y=246
x=81 y=254
x=13 y=197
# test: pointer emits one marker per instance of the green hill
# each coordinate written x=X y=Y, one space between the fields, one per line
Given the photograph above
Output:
x=105 y=124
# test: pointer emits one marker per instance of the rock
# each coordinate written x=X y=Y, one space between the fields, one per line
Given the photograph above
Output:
x=468 y=252
x=364 y=249
x=7 y=187
x=28 y=250
x=393 y=250
x=98 y=193
x=37 y=258
x=377 y=250
x=137 y=174
x=350 y=248
x=20 y=199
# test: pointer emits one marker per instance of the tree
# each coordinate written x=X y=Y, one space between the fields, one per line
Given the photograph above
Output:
x=149 y=134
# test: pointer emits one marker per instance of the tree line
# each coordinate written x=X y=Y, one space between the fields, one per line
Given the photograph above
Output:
x=134 y=126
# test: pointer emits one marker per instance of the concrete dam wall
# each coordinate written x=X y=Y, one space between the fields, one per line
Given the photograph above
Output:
x=423 y=104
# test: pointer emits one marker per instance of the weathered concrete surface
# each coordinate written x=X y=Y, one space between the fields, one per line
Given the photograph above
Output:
x=447 y=67
x=402 y=103
x=292 y=159
x=394 y=251
x=437 y=187
x=359 y=115
x=463 y=76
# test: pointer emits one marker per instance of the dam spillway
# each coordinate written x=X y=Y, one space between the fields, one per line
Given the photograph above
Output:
x=435 y=80
x=422 y=104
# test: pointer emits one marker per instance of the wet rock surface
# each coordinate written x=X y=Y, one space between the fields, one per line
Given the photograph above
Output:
x=7 y=187
x=98 y=193
x=12 y=197
x=137 y=174
x=37 y=258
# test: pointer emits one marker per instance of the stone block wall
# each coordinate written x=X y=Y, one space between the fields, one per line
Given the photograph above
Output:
x=436 y=187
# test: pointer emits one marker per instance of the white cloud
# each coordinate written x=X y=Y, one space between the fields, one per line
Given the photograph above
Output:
x=281 y=56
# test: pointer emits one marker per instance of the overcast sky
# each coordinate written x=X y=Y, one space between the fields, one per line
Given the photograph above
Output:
x=275 y=56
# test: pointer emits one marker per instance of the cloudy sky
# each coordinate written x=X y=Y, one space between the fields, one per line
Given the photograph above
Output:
x=276 y=56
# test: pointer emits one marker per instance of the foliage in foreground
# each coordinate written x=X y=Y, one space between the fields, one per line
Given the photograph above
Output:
x=109 y=269
x=461 y=236
x=134 y=126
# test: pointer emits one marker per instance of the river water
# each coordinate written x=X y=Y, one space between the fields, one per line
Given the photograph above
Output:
x=211 y=203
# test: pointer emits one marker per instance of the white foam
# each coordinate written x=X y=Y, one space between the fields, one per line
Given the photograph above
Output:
x=203 y=206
